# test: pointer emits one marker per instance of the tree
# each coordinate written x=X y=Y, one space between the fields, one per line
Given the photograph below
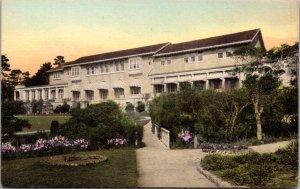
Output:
x=59 y=60
x=261 y=80
x=9 y=123
x=65 y=108
x=41 y=77
x=5 y=66
x=15 y=77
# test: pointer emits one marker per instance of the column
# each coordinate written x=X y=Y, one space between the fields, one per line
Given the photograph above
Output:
x=206 y=84
x=178 y=86
x=36 y=94
x=64 y=92
x=223 y=84
x=241 y=78
x=43 y=94
x=165 y=88
x=49 y=93
x=30 y=95
x=56 y=93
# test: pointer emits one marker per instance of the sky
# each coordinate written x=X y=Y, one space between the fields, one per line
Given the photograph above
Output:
x=36 y=31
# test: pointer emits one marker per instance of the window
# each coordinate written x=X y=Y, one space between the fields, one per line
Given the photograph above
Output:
x=76 y=95
x=119 y=92
x=228 y=54
x=172 y=87
x=200 y=58
x=220 y=55
x=56 y=75
x=169 y=62
x=135 y=90
x=111 y=67
x=75 y=71
x=60 y=93
x=122 y=66
x=46 y=94
x=158 y=89
x=193 y=59
x=103 y=93
x=186 y=59
x=53 y=94
x=89 y=95
x=162 y=62
x=135 y=63
x=117 y=66
x=90 y=70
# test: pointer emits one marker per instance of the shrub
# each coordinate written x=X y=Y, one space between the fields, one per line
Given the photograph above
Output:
x=57 y=110
x=140 y=107
x=54 y=128
x=129 y=107
x=100 y=123
x=65 y=108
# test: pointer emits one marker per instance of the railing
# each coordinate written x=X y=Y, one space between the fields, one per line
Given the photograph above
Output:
x=162 y=134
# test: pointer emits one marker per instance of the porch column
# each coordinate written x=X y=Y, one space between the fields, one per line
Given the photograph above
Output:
x=30 y=95
x=241 y=78
x=206 y=84
x=223 y=84
x=64 y=92
x=165 y=88
x=43 y=94
x=178 y=86
x=56 y=93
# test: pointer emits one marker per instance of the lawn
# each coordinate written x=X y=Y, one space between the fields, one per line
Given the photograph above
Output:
x=42 y=122
x=119 y=171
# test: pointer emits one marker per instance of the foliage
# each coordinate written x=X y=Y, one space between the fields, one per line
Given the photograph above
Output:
x=41 y=77
x=57 y=109
x=37 y=106
x=253 y=169
x=100 y=123
x=129 y=107
x=261 y=80
x=54 y=128
x=65 y=108
x=59 y=60
x=41 y=147
x=140 y=107
x=283 y=51
x=9 y=123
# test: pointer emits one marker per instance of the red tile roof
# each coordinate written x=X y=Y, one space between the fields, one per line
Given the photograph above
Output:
x=119 y=54
x=209 y=42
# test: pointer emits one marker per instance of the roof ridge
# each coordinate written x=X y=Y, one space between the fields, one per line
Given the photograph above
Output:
x=224 y=35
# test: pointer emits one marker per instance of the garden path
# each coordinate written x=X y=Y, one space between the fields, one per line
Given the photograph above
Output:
x=161 y=167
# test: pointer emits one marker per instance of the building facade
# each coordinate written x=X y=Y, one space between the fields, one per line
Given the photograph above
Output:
x=140 y=74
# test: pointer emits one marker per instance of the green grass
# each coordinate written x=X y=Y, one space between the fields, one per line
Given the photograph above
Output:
x=42 y=122
x=119 y=171
x=279 y=169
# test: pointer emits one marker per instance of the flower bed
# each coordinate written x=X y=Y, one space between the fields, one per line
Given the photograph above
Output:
x=56 y=145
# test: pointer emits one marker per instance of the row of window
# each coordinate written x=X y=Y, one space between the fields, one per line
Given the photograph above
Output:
x=105 y=68
x=103 y=93
x=46 y=95
x=193 y=58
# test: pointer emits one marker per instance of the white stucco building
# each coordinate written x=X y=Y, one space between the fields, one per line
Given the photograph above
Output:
x=140 y=74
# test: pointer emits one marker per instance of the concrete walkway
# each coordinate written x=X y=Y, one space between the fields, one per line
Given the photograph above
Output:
x=161 y=167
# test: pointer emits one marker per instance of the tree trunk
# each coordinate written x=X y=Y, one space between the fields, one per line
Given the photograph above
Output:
x=258 y=112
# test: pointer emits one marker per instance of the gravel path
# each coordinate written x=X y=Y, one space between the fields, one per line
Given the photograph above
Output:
x=269 y=148
x=161 y=167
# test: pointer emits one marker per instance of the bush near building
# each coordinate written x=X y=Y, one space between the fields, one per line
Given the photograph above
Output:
x=279 y=169
x=101 y=124
x=140 y=107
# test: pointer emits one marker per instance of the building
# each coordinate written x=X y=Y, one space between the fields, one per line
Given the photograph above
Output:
x=140 y=74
